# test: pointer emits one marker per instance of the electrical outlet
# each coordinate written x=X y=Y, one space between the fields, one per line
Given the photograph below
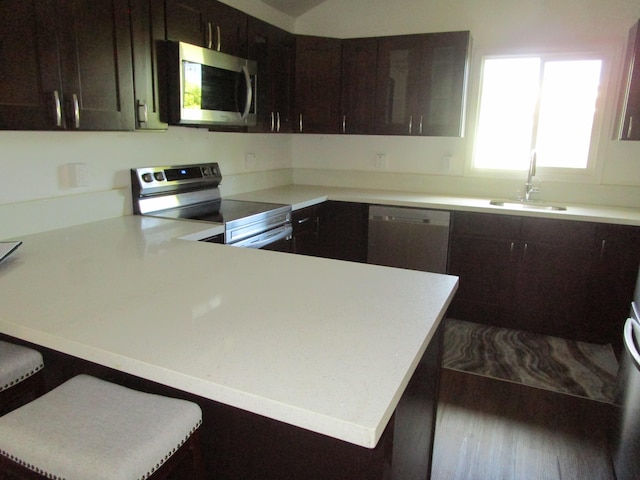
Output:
x=250 y=161
x=381 y=161
x=78 y=174
x=446 y=164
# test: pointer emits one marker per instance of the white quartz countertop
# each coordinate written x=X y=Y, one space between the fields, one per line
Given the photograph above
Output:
x=300 y=196
x=321 y=344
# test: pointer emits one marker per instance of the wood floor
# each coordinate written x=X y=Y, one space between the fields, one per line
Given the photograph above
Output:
x=494 y=430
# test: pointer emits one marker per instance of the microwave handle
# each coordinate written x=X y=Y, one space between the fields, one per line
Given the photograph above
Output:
x=247 y=79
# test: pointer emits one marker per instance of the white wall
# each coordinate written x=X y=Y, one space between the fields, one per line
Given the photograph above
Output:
x=35 y=196
x=497 y=26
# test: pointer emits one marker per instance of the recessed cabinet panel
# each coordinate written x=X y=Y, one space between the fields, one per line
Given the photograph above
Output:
x=209 y=24
x=421 y=84
x=274 y=50
x=66 y=64
x=30 y=91
x=317 y=84
x=359 y=59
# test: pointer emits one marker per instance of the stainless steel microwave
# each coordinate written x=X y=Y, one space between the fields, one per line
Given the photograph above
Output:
x=208 y=88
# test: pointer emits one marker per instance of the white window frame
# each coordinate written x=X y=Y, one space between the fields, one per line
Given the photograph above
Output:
x=592 y=173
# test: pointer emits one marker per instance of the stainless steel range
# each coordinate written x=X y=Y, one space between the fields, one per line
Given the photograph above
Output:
x=191 y=192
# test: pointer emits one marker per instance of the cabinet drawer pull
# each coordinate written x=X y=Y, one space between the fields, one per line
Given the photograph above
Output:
x=76 y=111
x=303 y=220
x=57 y=106
x=143 y=112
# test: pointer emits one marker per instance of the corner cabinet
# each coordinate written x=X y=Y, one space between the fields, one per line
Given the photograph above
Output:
x=274 y=50
x=421 y=84
x=65 y=64
x=358 y=101
x=207 y=23
x=629 y=128
x=317 y=89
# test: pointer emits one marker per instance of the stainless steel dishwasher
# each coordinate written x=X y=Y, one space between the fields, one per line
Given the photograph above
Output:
x=413 y=238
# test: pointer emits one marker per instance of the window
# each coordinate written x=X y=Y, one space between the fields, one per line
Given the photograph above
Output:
x=546 y=105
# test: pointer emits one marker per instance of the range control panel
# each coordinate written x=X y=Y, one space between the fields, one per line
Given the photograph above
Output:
x=153 y=180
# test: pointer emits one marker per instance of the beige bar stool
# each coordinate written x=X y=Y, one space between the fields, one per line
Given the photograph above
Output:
x=19 y=383
x=91 y=429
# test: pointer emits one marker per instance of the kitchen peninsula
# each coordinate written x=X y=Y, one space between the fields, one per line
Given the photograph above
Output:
x=325 y=366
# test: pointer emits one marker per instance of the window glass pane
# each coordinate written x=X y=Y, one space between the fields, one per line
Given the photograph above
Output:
x=567 y=106
x=507 y=107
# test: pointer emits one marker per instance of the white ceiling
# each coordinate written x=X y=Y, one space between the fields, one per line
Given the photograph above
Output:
x=293 y=8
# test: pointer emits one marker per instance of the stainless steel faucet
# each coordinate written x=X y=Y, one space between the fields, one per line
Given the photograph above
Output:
x=528 y=187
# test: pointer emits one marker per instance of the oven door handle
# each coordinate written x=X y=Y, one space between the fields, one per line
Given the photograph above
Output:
x=266 y=238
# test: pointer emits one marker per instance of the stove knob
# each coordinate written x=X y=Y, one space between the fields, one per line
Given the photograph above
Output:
x=146 y=177
x=159 y=176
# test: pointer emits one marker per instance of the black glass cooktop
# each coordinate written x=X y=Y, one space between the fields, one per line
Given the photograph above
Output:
x=220 y=211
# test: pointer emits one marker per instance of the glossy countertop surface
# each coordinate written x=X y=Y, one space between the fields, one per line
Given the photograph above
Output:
x=300 y=196
x=321 y=344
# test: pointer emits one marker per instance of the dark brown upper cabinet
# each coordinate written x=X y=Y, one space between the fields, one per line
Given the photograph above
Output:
x=209 y=24
x=629 y=123
x=317 y=88
x=147 y=28
x=358 y=100
x=274 y=50
x=65 y=64
x=421 y=84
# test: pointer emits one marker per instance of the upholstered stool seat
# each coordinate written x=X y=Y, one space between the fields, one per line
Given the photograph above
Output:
x=18 y=382
x=91 y=429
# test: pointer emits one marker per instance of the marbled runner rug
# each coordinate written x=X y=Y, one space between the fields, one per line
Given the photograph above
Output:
x=565 y=366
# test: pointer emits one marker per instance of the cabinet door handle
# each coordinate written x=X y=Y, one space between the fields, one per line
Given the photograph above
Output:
x=300 y=123
x=303 y=220
x=143 y=112
x=57 y=107
x=524 y=252
x=209 y=35
x=421 y=116
x=602 y=247
x=218 y=38
x=76 y=111
x=630 y=129
x=344 y=124
x=278 y=122
x=511 y=250
x=273 y=122
x=410 y=124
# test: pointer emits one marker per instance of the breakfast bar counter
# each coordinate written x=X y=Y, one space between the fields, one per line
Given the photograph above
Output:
x=324 y=346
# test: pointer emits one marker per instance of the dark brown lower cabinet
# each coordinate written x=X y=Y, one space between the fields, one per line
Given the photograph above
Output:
x=565 y=278
x=343 y=231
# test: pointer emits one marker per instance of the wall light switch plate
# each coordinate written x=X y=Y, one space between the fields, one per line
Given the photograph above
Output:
x=381 y=161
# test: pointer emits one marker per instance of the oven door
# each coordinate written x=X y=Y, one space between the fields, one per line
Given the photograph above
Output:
x=277 y=239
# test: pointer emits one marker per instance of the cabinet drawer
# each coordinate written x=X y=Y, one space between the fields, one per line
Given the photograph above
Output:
x=486 y=225
x=545 y=230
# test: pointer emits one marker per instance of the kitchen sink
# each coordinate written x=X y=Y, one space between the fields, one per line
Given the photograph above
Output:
x=528 y=204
